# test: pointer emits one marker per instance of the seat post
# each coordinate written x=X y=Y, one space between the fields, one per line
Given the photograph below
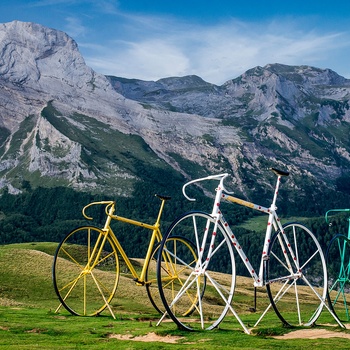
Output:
x=163 y=200
x=279 y=174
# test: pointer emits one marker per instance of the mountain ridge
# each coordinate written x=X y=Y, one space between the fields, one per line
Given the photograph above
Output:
x=62 y=123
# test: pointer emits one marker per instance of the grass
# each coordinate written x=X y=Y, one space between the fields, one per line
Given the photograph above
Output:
x=28 y=320
x=258 y=223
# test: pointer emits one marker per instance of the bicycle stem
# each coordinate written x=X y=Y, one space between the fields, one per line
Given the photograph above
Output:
x=109 y=216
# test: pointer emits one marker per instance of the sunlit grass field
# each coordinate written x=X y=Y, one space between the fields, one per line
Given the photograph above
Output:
x=28 y=319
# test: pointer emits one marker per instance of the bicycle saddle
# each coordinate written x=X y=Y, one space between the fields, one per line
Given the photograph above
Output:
x=279 y=172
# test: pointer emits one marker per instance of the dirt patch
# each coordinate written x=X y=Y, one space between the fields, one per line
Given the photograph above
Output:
x=35 y=330
x=313 y=334
x=60 y=317
x=150 y=337
x=9 y=302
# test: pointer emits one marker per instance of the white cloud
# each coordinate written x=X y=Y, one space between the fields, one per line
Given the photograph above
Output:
x=155 y=48
x=148 y=60
x=75 y=28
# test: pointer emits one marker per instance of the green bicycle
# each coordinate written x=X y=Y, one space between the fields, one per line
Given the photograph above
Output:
x=338 y=267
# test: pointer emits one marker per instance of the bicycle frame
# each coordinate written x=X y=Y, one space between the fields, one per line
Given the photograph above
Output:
x=155 y=237
x=286 y=268
x=344 y=244
x=273 y=222
x=86 y=268
x=342 y=276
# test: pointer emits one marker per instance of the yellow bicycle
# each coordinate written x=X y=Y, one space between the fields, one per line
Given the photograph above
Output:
x=86 y=266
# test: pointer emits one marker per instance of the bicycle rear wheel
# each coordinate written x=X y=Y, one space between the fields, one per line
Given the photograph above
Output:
x=338 y=268
x=184 y=259
x=296 y=276
x=85 y=271
x=204 y=294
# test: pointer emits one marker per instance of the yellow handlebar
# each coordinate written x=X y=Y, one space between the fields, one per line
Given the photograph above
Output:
x=107 y=203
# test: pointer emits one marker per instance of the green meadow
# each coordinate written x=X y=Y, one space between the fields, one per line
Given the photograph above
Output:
x=28 y=317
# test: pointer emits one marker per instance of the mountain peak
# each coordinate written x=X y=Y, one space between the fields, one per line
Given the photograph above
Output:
x=29 y=51
x=42 y=64
x=43 y=59
x=307 y=74
x=61 y=120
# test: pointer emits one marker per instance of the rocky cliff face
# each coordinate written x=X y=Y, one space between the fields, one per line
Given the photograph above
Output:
x=277 y=114
x=63 y=123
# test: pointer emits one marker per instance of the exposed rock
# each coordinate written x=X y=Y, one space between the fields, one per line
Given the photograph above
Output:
x=64 y=121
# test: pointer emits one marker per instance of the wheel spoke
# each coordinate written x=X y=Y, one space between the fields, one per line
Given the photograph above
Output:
x=338 y=258
x=86 y=271
x=207 y=286
x=177 y=260
x=297 y=251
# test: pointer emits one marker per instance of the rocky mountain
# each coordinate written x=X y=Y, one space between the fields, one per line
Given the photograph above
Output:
x=61 y=123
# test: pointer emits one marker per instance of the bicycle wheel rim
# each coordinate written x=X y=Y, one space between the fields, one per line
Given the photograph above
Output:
x=296 y=282
x=208 y=287
x=338 y=268
x=83 y=285
x=185 y=251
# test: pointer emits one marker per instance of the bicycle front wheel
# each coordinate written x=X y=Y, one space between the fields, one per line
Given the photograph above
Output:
x=296 y=275
x=85 y=271
x=203 y=294
x=183 y=260
x=338 y=268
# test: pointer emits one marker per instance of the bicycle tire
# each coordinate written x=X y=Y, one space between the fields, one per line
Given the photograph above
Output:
x=296 y=280
x=208 y=286
x=185 y=252
x=84 y=285
x=338 y=269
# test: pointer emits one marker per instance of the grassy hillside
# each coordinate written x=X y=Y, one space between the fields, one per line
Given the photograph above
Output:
x=28 y=319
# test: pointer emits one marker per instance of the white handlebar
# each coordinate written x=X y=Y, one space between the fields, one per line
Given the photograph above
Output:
x=219 y=177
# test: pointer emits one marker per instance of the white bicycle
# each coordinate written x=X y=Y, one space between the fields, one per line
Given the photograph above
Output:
x=292 y=267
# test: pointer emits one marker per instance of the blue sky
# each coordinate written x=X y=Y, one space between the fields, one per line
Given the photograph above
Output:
x=217 y=40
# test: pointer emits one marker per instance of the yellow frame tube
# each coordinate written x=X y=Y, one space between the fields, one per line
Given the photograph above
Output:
x=155 y=237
